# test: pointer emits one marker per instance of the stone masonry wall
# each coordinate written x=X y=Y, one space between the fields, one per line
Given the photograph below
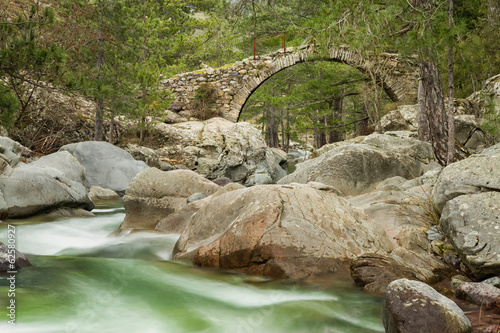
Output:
x=234 y=83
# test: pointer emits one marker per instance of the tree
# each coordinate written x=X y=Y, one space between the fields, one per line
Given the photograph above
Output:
x=27 y=59
x=450 y=158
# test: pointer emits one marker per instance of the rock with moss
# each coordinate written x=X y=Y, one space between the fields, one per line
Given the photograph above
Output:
x=472 y=223
x=473 y=175
x=413 y=306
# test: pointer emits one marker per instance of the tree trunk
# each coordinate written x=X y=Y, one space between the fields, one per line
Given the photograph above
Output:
x=451 y=96
x=432 y=118
x=335 y=135
x=344 y=116
x=99 y=124
x=111 y=130
x=363 y=125
x=287 y=142
x=282 y=130
x=272 y=130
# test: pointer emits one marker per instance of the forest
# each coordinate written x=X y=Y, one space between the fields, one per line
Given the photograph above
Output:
x=116 y=53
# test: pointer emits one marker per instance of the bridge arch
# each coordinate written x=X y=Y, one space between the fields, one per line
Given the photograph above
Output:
x=234 y=84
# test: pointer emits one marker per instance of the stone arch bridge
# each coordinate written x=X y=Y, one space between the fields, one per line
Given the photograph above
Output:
x=233 y=84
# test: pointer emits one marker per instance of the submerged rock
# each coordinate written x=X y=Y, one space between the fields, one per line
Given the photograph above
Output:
x=106 y=165
x=413 y=306
x=289 y=231
x=6 y=256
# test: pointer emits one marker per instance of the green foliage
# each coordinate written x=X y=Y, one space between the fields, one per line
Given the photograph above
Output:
x=26 y=57
x=491 y=119
x=9 y=105
x=203 y=102
x=309 y=93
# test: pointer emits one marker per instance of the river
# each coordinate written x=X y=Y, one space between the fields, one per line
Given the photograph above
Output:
x=83 y=281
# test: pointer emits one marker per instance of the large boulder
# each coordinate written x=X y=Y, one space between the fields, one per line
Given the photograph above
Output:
x=154 y=194
x=470 y=176
x=106 y=165
x=52 y=182
x=355 y=169
x=413 y=306
x=404 y=118
x=468 y=130
x=472 y=224
x=219 y=148
x=289 y=231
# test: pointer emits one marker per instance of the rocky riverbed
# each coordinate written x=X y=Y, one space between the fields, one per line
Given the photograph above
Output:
x=378 y=208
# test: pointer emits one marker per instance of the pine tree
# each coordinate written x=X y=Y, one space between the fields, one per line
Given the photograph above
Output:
x=27 y=60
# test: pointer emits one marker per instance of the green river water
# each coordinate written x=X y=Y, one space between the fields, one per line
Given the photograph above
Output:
x=84 y=281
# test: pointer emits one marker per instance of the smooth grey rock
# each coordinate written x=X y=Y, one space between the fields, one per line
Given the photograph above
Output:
x=413 y=306
x=433 y=234
x=472 y=224
x=357 y=168
x=493 y=151
x=391 y=184
x=106 y=165
x=289 y=231
x=427 y=179
x=195 y=197
x=473 y=175
x=153 y=194
x=99 y=193
x=467 y=126
x=52 y=182
x=65 y=163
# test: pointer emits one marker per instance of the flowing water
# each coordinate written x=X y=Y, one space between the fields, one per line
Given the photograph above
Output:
x=84 y=281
